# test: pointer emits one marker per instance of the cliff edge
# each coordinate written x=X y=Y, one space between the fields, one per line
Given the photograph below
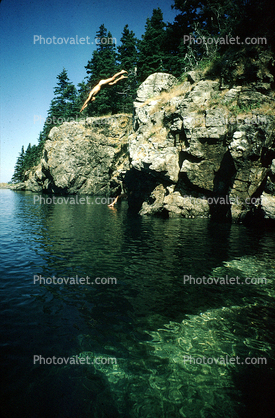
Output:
x=201 y=149
x=192 y=149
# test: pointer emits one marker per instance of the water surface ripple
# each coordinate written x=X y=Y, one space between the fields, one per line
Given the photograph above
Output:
x=149 y=321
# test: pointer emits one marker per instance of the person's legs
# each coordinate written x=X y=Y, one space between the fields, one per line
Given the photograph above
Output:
x=109 y=80
x=120 y=78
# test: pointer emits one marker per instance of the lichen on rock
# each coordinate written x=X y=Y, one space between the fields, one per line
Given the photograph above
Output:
x=186 y=146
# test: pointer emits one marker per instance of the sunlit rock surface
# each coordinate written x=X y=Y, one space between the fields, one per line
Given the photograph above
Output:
x=186 y=151
x=188 y=143
x=86 y=157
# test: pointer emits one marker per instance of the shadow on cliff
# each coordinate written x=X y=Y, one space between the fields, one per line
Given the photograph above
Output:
x=223 y=182
x=139 y=187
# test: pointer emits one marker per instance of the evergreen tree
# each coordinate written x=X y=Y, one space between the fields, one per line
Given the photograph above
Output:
x=18 y=174
x=218 y=19
x=127 y=51
x=174 y=48
x=63 y=105
x=41 y=141
x=103 y=65
x=151 y=48
x=183 y=54
x=81 y=97
x=30 y=157
x=26 y=160
x=127 y=58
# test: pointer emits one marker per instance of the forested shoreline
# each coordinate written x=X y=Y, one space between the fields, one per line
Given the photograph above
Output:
x=199 y=37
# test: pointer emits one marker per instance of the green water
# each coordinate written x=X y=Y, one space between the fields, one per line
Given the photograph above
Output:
x=157 y=328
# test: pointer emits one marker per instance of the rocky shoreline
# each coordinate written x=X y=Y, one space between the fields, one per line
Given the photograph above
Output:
x=191 y=149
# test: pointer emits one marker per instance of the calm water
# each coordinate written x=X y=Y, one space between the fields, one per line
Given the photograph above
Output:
x=149 y=321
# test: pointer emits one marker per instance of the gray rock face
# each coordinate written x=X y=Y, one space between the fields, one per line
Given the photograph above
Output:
x=268 y=205
x=190 y=156
x=86 y=157
x=154 y=85
x=183 y=153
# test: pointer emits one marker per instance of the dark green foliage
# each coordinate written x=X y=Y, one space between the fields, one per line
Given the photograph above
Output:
x=63 y=106
x=127 y=51
x=103 y=62
x=151 y=47
x=127 y=59
x=221 y=19
x=81 y=97
x=26 y=160
x=30 y=157
x=18 y=174
x=103 y=65
x=163 y=49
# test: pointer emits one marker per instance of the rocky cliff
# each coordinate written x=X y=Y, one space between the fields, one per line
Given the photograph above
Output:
x=191 y=149
x=85 y=157
x=202 y=149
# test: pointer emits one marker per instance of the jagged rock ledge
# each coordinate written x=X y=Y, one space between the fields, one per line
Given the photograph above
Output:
x=185 y=152
x=191 y=156
x=85 y=157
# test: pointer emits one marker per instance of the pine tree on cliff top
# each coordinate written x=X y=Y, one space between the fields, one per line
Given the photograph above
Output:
x=30 y=157
x=63 y=105
x=127 y=58
x=151 y=47
x=103 y=65
x=221 y=19
x=127 y=51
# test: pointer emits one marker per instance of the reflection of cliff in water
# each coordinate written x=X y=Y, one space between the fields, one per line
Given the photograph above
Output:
x=149 y=258
x=148 y=321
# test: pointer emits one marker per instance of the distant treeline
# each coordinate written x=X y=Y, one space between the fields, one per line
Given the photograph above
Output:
x=232 y=35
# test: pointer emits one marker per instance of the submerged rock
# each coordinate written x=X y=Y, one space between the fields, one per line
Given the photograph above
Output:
x=189 y=368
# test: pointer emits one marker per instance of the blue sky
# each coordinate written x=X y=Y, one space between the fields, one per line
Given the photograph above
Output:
x=29 y=69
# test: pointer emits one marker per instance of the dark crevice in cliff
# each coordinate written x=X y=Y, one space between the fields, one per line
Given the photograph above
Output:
x=267 y=156
x=223 y=183
x=254 y=218
x=139 y=185
x=224 y=177
x=253 y=157
x=183 y=155
x=186 y=187
x=208 y=141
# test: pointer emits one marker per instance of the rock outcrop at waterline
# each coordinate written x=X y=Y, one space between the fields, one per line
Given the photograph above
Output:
x=192 y=156
x=85 y=157
x=191 y=149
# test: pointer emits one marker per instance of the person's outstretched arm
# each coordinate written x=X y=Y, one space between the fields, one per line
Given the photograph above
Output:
x=91 y=97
